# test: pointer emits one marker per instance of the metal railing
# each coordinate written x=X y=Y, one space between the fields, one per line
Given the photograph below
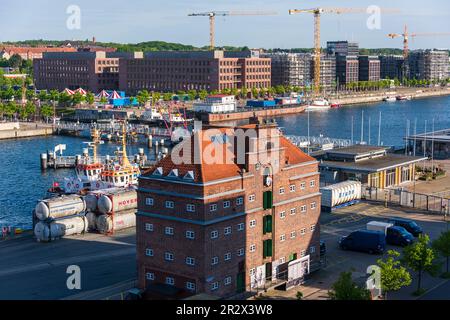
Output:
x=431 y=203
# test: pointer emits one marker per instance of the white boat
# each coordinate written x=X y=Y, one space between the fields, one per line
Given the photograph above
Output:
x=390 y=99
x=173 y=118
x=151 y=114
x=318 y=105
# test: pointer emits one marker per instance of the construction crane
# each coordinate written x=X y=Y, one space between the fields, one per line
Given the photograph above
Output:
x=406 y=35
x=317 y=47
x=212 y=19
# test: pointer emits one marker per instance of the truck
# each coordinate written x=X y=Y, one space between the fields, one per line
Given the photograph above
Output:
x=395 y=235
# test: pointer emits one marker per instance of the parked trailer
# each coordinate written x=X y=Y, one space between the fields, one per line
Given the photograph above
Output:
x=378 y=226
x=340 y=195
x=45 y=232
x=59 y=207
x=108 y=223
x=117 y=201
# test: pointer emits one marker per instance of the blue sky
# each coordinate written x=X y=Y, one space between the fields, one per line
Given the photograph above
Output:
x=144 y=20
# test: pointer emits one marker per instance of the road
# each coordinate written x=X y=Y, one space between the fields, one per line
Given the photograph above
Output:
x=37 y=271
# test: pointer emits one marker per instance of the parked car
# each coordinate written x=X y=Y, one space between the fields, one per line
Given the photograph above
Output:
x=410 y=225
x=398 y=236
x=364 y=241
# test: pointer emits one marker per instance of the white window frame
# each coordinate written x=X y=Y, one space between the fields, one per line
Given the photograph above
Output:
x=214 y=261
x=168 y=256
x=239 y=201
x=302 y=253
x=214 y=234
x=169 y=231
x=252 y=223
x=241 y=252
x=149 y=227
x=169 y=204
x=227 y=256
x=313 y=228
x=312 y=249
x=292 y=188
x=149 y=252
x=282 y=214
x=214 y=286
x=303 y=208
x=227 y=231
x=282 y=238
x=190 y=234
x=281 y=190
x=213 y=207
x=303 y=185
x=190 y=261
x=282 y=260
x=227 y=281
x=293 y=211
x=241 y=226
x=252 y=248
x=226 y=204
x=170 y=281
x=190 y=207
x=150 y=276
x=303 y=231
x=190 y=286
x=313 y=205
x=149 y=201
x=251 y=198
x=312 y=183
x=293 y=234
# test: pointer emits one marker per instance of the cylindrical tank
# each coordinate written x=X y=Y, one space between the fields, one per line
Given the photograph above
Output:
x=92 y=221
x=141 y=151
x=60 y=207
x=91 y=201
x=59 y=228
x=340 y=193
x=123 y=220
x=117 y=201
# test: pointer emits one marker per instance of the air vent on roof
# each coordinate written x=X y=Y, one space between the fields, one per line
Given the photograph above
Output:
x=158 y=171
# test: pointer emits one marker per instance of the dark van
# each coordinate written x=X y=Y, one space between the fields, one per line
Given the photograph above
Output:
x=365 y=241
x=398 y=236
x=409 y=225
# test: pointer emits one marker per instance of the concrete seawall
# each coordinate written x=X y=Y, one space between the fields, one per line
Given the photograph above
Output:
x=269 y=112
x=380 y=96
x=25 y=133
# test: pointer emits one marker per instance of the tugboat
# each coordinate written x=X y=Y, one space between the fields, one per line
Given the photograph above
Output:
x=120 y=173
x=87 y=171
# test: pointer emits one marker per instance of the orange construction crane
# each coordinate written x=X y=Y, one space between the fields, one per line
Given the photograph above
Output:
x=406 y=35
x=317 y=47
x=212 y=20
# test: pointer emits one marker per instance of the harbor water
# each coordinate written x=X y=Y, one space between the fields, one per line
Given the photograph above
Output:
x=23 y=183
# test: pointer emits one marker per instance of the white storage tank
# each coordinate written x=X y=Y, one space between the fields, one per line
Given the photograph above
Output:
x=92 y=197
x=59 y=228
x=92 y=220
x=60 y=207
x=119 y=221
x=339 y=194
x=117 y=201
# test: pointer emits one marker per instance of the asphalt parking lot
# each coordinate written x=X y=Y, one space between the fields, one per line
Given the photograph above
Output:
x=346 y=220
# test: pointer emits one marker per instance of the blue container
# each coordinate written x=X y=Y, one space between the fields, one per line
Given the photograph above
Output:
x=261 y=103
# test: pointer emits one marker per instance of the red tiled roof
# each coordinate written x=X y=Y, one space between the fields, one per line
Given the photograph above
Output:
x=207 y=171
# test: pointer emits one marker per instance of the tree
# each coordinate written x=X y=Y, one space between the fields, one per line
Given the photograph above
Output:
x=77 y=98
x=254 y=93
x=346 y=289
x=15 y=61
x=442 y=246
x=46 y=111
x=393 y=275
x=167 y=96
x=90 y=98
x=419 y=257
x=142 y=97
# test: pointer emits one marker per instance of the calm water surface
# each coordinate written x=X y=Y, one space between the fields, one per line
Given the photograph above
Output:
x=23 y=183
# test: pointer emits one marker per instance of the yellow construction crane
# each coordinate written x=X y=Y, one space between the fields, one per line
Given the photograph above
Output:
x=406 y=35
x=317 y=48
x=212 y=19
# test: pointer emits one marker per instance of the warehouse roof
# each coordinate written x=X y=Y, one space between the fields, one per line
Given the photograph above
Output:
x=388 y=161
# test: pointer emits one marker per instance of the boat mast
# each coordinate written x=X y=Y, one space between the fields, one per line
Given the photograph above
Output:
x=125 y=161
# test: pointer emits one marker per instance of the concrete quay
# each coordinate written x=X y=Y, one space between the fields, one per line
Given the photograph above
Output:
x=27 y=130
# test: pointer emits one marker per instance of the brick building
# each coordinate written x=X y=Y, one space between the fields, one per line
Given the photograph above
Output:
x=369 y=68
x=93 y=71
x=347 y=69
x=199 y=70
x=31 y=53
x=232 y=226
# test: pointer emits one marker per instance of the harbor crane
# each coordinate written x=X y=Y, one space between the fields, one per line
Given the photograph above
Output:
x=317 y=12
x=406 y=35
x=212 y=19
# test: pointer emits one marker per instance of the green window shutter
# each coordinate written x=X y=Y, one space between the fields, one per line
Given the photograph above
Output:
x=269 y=223
x=269 y=247
x=267 y=200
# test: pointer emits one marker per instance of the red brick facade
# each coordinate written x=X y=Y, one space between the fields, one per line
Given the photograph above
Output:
x=228 y=220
